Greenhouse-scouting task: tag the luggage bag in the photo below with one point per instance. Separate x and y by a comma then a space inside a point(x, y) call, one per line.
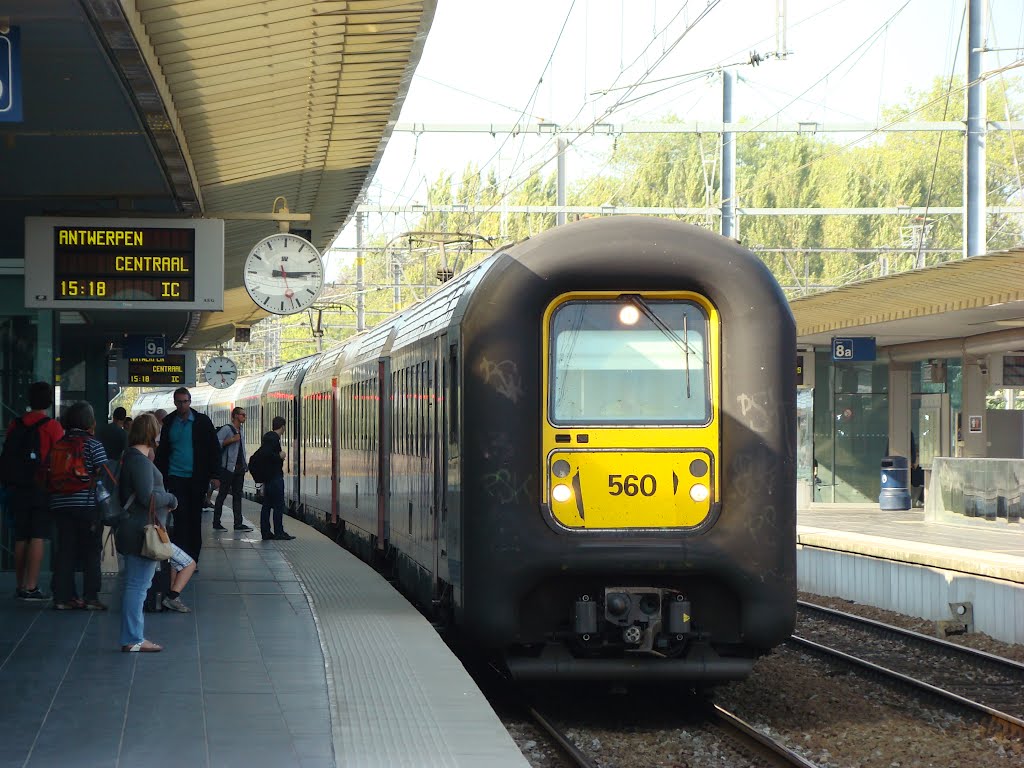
point(159, 588)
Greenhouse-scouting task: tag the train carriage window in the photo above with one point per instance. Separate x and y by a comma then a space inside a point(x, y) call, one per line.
point(428, 410)
point(417, 389)
point(453, 395)
point(421, 409)
point(394, 410)
point(629, 361)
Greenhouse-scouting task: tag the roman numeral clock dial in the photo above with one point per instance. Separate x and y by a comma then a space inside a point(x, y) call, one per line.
point(284, 274)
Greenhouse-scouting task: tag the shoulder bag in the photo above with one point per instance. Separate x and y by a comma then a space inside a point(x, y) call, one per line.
point(156, 544)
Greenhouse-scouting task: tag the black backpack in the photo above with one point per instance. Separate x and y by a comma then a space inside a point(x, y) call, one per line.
point(22, 454)
point(259, 465)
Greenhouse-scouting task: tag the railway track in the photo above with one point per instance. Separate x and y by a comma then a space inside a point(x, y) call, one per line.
point(771, 752)
point(989, 688)
point(733, 734)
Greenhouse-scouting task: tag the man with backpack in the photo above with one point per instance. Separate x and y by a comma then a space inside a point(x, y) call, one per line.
point(232, 470)
point(271, 468)
point(25, 450)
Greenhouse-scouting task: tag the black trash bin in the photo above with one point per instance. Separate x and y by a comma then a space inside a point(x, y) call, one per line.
point(895, 493)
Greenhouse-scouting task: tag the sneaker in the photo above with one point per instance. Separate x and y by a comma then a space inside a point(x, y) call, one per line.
point(243, 527)
point(219, 527)
point(19, 593)
point(175, 605)
point(284, 537)
point(34, 596)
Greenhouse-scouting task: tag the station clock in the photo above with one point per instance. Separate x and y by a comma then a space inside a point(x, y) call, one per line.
point(220, 372)
point(284, 274)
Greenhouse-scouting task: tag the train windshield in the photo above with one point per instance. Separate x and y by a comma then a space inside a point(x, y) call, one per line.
point(629, 361)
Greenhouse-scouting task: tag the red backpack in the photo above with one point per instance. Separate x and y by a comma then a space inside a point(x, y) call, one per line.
point(66, 472)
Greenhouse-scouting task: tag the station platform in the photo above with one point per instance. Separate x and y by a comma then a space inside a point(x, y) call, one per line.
point(295, 654)
point(902, 562)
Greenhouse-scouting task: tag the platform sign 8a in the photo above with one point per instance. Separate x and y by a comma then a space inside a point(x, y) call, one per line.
point(851, 349)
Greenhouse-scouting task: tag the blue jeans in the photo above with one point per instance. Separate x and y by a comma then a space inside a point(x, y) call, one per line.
point(138, 575)
point(273, 497)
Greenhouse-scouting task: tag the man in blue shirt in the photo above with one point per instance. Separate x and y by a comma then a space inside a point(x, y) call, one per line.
point(189, 458)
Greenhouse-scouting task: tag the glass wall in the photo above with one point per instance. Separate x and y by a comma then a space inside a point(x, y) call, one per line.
point(851, 428)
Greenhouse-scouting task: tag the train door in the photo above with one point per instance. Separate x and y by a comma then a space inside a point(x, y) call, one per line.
point(438, 445)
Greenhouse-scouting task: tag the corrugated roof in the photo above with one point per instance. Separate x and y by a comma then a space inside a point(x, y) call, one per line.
point(276, 98)
point(964, 284)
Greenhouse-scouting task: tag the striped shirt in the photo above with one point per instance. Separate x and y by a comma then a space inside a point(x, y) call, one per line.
point(94, 456)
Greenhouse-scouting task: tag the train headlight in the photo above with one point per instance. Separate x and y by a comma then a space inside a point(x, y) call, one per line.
point(629, 314)
point(561, 493)
point(699, 492)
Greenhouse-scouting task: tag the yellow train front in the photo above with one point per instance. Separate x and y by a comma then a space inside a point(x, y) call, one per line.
point(625, 479)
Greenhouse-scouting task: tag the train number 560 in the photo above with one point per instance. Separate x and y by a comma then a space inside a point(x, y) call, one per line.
point(631, 485)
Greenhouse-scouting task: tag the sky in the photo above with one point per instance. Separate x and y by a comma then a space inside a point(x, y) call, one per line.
point(576, 62)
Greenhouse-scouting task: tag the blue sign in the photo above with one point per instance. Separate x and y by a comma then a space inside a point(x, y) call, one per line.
point(853, 349)
point(10, 76)
point(140, 345)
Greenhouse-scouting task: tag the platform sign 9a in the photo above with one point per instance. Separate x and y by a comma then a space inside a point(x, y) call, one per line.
point(853, 349)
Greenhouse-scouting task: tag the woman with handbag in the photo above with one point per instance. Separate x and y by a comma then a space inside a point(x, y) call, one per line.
point(73, 464)
point(136, 535)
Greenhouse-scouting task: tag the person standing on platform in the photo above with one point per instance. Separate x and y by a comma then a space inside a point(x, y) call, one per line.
point(21, 471)
point(141, 478)
point(273, 486)
point(232, 470)
point(114, 435)
point(188, 456)
point(75, 517)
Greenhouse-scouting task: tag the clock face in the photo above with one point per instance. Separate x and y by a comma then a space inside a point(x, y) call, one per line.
point(221, 372)
point(284, 274)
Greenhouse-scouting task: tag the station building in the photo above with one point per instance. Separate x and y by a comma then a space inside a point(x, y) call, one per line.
point(938, 385)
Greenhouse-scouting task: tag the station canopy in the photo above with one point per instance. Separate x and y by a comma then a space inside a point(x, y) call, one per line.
point(980, 298)
point(205, 108)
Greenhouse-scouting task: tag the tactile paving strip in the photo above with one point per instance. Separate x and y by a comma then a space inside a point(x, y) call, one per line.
point(399, 697)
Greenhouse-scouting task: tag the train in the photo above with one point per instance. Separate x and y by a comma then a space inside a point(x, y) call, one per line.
point(578, 453)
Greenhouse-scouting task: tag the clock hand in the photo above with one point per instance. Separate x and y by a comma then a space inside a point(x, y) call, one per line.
point(281, 273)
point(288, 292)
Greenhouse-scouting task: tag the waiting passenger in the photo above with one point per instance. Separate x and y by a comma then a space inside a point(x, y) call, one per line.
point(27, 499)
point(114, 435)
point(273, 486)
point(188, 455)
point(75, 516)
point(183, 566)
point(232, 469)
point(141, 477)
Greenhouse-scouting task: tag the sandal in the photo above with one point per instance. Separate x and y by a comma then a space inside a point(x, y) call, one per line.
point(144, 647)
point(94, 605)
point(74, 604)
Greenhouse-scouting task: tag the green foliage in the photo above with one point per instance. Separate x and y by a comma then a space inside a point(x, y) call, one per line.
point(915, 169)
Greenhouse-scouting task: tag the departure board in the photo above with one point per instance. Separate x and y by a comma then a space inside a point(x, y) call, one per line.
point(97, 263)
point(131, 264)
point(147, 371)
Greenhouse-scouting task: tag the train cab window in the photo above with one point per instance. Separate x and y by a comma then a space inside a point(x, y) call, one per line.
point(629, 360)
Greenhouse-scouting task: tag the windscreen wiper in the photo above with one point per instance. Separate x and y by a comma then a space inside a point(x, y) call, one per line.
point(640, 303)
